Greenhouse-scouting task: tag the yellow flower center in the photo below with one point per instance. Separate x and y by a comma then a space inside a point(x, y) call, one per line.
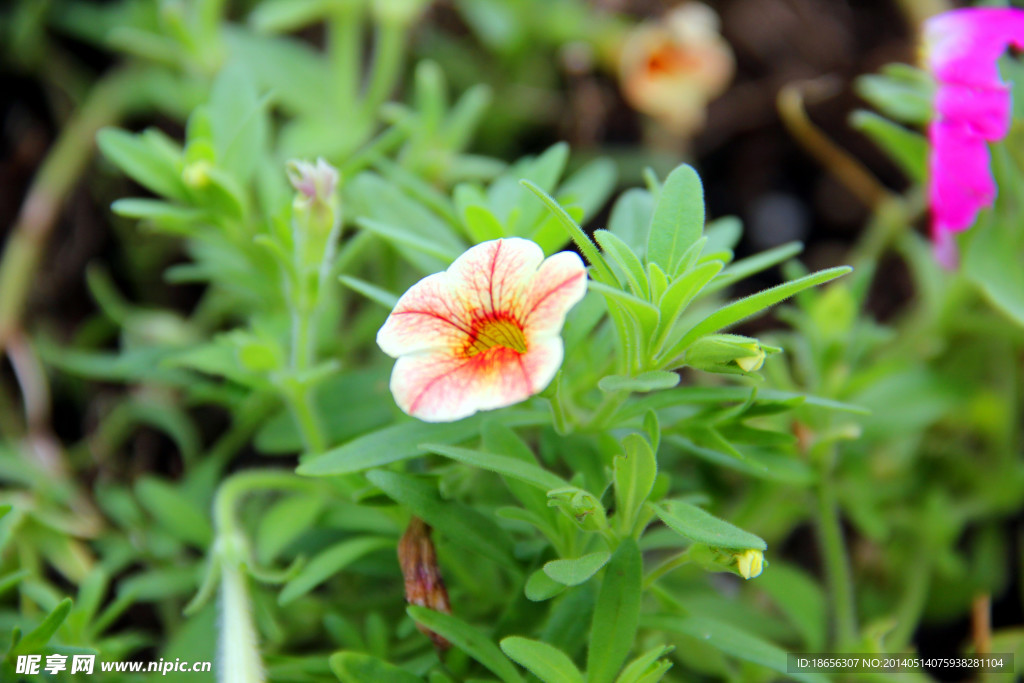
point(496, 332)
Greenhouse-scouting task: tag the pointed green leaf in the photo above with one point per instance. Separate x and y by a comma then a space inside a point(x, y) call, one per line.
point(586, 246)
point(501, 464)
point(703, 527)
point(401, 441)
point(574, 571)
point(653, 380)
point(468, 639)
point(678, 219)
point(330, 562)
point(175, 512)
point(633, 474)
point(732, 641)
point(751, 305)
point(356, 667)
point(906, 147)
point(616, 615)
point(36, 639)
point(624, 257)
point(142, 161)
point(547, 663)
point(630, 220)
point(541, 587)
point(752, 265)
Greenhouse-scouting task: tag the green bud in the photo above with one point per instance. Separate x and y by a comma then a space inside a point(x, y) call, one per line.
point(728, 353)
point(748, 563)
point(581, 506)
point(316, 209)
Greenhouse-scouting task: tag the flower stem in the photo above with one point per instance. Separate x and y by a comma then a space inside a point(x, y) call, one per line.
point(837, 565)
point(301, 401)
point(669, 565)
point(912, 605)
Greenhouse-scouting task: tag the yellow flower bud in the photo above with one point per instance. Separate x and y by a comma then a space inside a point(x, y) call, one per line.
point(749, 563)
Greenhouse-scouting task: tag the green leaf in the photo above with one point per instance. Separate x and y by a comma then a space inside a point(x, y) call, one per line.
point(547, 663)
point(634, 474)
point(283, 16)
point(680, 293)
point(616, 615)
point(501, 464)
point(170, 217)
point(678, 219)
point(541, 587)
point(12, 579)
point(653, 380)
point(238, 119)
point(402, 441)
point(481, 224)
point(648, 667)
point(752, 265)
point(370, 291)
point(469, 640)
point(586, 246)
point(143, 161)
point(573, 572)
point(723, 234)
point(590, 186)
point(901, 92)
point(645, 312)
point(288, 519)
point(703, 527)
point(329, 562)
point(908, 149)
point(402, 237)
point(730, 640)
point(992, 260)
point(37, 638)
point(761, 463)
point(630, 219)
point(625, 259)
point(748, 306)
point(357, 667)
point(176, 513)
point(461, 524)
point(801, 599)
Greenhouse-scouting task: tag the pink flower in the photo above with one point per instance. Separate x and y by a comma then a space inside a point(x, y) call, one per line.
point(972, 108)
point(483, 334)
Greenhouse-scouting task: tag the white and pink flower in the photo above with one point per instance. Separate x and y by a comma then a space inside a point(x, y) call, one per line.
point(483, 334)
point(972, 108)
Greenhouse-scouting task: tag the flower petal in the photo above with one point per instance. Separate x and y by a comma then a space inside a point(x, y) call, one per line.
point(964, 45)
point(961, 182)
point(493, 276)
point(559, 284)
point(428, 316)
point(438, 387)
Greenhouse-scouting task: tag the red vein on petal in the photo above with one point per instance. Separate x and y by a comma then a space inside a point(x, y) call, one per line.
point(536, 304)
point(490, 279)
point(419, 397)
point(431, 314)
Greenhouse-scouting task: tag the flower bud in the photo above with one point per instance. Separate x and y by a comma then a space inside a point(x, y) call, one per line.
point(749, 563)
point(581, 506)
point(316, 208)
point(728, 353)
point(197, 174)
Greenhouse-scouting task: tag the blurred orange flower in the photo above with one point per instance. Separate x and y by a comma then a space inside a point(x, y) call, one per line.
point(670, 69)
